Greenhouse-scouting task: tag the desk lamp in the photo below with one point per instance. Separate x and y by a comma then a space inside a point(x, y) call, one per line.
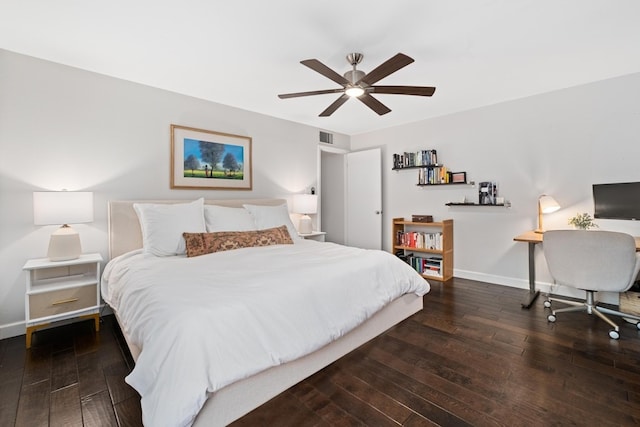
point(546, 204)
point(63, 208)
point(305, 204)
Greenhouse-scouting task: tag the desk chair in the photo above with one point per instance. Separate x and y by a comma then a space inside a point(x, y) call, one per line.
point(592, 261)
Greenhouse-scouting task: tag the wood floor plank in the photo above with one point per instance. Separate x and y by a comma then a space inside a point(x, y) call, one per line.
point(65, 408)
point(64, 369)
point(11, 382)
point(128, 412)
point(91, 379)
point(98, 411)
point(33, 408)
point(114, 375)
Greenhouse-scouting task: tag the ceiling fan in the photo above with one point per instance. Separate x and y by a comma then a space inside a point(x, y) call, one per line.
point(358, 84)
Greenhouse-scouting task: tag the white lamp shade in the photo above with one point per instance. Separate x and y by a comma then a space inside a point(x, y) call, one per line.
point(548, 204)
point(305, 203)
point(62, 207)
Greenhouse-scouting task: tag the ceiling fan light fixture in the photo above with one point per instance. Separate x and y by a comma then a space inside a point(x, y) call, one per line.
point(358, 84)
point(354, 91)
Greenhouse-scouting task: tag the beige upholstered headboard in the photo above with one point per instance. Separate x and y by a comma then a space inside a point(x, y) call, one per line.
point(124, 229)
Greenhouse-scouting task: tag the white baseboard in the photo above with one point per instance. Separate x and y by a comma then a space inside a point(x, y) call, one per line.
point(543, 287)
point(12, 330)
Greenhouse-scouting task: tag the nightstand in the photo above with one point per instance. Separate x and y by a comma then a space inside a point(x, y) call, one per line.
point(61, 290)
point(314, 235)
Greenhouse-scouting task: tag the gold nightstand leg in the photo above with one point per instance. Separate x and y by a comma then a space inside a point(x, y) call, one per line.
point(32, 329)
point(96, 319)
point(29, 332)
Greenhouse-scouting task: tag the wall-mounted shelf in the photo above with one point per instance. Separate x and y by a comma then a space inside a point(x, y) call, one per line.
point(401, 168)
point(430, 172)
point(507, 205)
point(460, 184)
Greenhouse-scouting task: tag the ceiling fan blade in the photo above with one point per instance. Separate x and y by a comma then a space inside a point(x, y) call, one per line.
point(314, 92)
point(333, 107)
point(383, 70)
point(374, 104)
point(404, 90)
point(319, 67)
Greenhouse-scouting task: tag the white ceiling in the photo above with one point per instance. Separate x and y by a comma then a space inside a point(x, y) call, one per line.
point(244, 52)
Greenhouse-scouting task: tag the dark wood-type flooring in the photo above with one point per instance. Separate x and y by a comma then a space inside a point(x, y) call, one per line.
point(471, 357)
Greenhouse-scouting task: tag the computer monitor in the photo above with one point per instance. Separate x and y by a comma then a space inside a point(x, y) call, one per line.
point(617, 201)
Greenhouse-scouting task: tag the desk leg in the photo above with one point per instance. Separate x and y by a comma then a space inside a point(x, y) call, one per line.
point(532, 294)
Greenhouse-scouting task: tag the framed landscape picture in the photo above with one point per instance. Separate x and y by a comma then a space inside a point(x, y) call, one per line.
point(211, 160)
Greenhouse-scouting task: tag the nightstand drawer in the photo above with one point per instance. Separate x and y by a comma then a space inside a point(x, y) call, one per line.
point(62, 301)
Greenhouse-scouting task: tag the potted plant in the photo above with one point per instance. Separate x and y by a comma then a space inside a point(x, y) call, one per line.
point(582, 221)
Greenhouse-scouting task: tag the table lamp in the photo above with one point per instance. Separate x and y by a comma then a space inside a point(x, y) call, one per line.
point(546, 204)
point(305, 204)
point(63, 208)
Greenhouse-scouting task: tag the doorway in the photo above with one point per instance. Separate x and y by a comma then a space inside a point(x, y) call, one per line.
point(350, 189)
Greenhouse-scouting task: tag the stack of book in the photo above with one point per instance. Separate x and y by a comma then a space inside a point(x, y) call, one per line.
point(419, 240)
point(431, 266)
point(412, 159)
point(436, 175)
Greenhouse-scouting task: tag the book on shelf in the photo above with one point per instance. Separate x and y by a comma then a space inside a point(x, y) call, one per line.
point(423, 266)
point(417, 158)
point(435, 175)
point(419, 240)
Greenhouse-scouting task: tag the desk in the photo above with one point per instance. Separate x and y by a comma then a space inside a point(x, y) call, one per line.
point(533, 238)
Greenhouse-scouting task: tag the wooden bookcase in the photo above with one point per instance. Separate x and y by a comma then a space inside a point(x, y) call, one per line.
point(444, 251)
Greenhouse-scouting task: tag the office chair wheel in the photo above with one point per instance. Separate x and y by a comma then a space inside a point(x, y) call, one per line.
point(547, 304)
point(551, 318)
point(613, 334)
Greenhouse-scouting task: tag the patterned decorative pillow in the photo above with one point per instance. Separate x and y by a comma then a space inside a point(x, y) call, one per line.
point(206, 243)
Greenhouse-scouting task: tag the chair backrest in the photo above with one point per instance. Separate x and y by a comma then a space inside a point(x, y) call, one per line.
point(592, 260)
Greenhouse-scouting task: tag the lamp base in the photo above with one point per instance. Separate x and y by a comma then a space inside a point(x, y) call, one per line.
point(64, 244)
point(305, 226)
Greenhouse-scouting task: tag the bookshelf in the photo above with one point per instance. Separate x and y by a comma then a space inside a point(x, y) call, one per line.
point(430, 172)
point(426, 246)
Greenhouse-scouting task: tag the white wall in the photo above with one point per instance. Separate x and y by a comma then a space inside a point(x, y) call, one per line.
point(62, 127)
point(558, 143)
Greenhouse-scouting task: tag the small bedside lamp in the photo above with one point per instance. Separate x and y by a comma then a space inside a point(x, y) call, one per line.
point(63, 207)
point(546, 204)
point(305, 204)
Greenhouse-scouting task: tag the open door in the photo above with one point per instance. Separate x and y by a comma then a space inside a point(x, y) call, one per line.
point(364, 199)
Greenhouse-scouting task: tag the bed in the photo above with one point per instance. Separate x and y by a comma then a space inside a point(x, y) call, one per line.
point(235, 396)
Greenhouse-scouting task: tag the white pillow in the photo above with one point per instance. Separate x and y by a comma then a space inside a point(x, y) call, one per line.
point(222, 218)
point(163, 224)
point(273, 216)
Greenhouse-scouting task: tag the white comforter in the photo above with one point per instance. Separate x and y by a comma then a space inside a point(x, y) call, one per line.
point(207, 321)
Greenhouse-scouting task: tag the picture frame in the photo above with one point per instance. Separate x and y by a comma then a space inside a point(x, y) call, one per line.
point(206, 159)
point(458, 178)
